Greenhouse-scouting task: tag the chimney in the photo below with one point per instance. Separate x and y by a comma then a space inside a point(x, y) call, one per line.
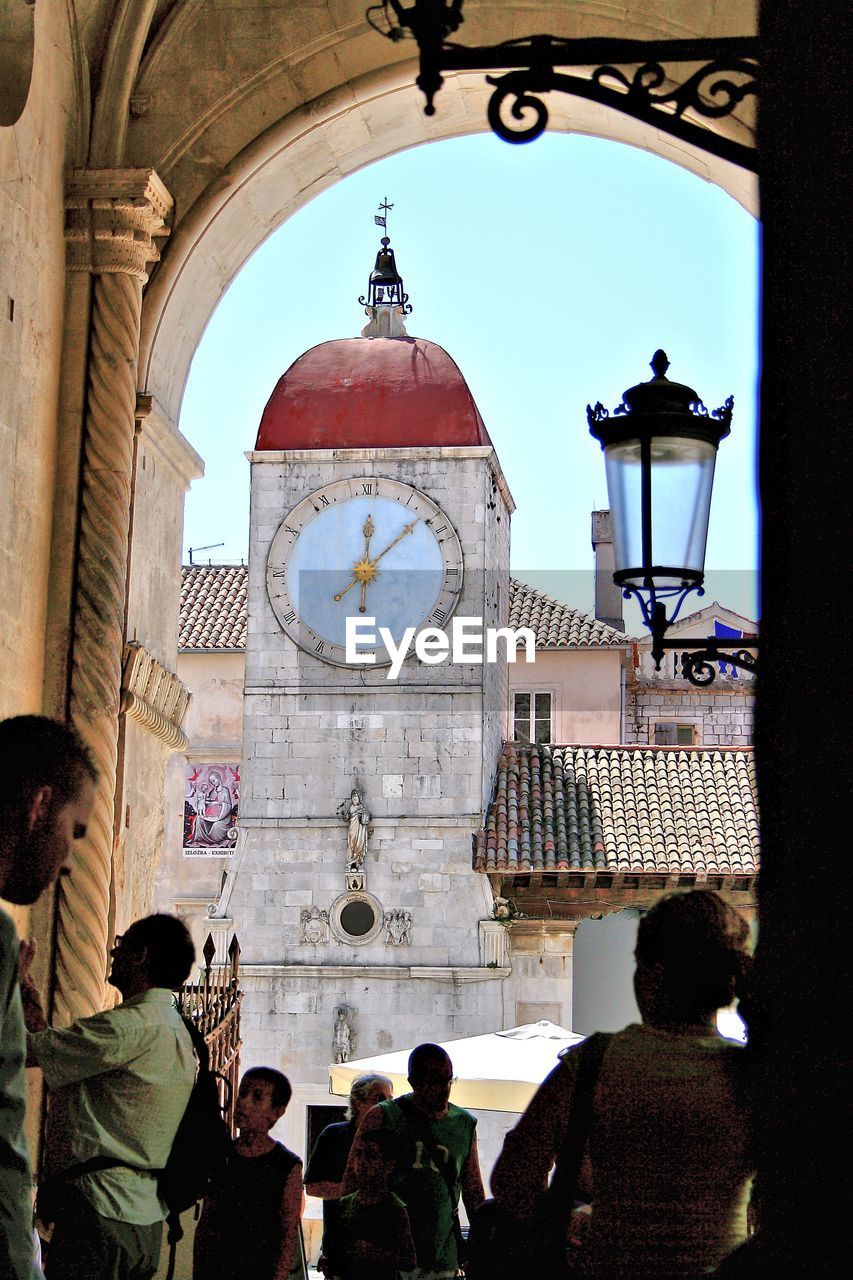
point(608, 597)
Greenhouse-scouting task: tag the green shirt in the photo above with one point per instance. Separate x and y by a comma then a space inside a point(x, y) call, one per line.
point(423, 1189)
point(17, 1258)
point(120, 1082)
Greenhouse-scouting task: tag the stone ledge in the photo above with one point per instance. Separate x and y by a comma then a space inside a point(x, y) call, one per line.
point(397, 973)
point(388, 686)
point(462, 820)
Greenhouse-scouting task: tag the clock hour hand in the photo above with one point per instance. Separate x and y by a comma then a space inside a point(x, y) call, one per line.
point(364, 571)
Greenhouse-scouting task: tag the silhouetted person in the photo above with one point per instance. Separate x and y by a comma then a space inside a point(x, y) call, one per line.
point(47, 785)
point(324, 1173)
point(669, 1145)
point(250, 1221)
point(119, 1084)
point(429, 1154)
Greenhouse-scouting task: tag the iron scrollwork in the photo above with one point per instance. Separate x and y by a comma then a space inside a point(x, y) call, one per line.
point(698, 666)
point(652, 93)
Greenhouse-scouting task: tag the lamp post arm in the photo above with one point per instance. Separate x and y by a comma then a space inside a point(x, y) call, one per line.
point(723, 72)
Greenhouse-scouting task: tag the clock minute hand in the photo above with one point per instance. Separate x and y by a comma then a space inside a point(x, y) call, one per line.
point(407, 529)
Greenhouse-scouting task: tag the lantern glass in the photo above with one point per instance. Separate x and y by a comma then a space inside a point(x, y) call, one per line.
point(682, 476)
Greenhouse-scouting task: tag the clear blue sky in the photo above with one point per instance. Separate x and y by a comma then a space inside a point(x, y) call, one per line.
point(550, 272)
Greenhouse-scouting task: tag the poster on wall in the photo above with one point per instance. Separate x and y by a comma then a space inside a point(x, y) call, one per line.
point(211, 797)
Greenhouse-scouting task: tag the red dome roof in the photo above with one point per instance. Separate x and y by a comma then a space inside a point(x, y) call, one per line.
point(371, 393)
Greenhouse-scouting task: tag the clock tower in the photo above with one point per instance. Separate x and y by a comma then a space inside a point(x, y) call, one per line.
point(379, 516)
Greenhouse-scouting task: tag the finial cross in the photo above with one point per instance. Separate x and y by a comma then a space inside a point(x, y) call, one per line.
point(381, 219)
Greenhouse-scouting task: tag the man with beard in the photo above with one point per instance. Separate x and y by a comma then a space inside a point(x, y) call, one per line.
point(46, 798)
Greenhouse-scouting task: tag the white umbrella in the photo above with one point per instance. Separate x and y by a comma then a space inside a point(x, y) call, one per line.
point(499, 1071)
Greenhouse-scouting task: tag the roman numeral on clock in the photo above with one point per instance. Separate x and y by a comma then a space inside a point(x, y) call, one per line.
point(367, 489)
point(320, 647)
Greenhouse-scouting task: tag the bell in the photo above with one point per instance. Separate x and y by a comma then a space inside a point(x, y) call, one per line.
point(385, 271)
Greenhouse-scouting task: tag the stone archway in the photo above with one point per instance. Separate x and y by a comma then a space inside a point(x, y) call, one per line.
point(310, 150)
point(208, 124)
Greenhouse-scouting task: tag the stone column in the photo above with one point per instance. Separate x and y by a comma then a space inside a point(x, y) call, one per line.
point(113, 217)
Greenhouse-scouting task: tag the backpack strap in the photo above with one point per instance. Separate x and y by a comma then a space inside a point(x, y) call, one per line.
point(561, 1190)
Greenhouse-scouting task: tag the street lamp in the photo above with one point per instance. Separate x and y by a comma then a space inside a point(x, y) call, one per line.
point(660, 447)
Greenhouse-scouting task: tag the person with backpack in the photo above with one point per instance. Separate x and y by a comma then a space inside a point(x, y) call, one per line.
point(251, 1219)
point(119, 1083)
point(670, 1161)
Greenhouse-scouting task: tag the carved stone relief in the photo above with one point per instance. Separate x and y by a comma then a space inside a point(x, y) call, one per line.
point(314, 925)
point(398, 927)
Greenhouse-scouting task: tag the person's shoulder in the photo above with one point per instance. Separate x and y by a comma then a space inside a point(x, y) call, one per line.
point(460, 1114)
point(286, 1161)
point(9, 942)
point(336, 1131)
point(284, 1153)
point(7, 927)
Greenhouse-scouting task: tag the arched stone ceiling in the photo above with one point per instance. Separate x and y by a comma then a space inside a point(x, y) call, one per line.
point(248, 110)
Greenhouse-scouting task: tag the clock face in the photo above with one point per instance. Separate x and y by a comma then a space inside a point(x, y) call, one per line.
point(366, 548)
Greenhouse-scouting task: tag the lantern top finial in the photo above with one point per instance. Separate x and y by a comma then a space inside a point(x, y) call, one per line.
point(659, 363)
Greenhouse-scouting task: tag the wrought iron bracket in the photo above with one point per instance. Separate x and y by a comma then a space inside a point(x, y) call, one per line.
point(697, 654)
point(659, 90)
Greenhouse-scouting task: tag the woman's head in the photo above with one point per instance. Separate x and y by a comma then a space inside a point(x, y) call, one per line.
point(692, 956)
point(365, 1092)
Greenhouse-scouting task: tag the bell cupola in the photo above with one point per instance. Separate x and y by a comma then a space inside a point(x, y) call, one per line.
point(387, 301)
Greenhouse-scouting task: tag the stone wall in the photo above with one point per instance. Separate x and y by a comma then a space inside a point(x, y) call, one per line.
point(32, 293)
point(723, 713)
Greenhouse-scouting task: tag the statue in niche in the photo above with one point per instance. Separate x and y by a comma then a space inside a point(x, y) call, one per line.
point(343, 1036)
point(314, 925)
point(357, 819)
point(398, 927)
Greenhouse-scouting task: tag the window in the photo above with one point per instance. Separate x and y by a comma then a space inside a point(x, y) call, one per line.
point(316, 1119)
point(356, 917)
point(531, 717)
point(671, 733)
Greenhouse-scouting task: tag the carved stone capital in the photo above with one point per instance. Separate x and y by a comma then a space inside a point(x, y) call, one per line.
point(494, 944)
point(113, 219)
point(154, 697)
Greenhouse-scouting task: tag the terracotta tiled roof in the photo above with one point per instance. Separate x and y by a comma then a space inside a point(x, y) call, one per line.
point(213, 607)
point(556, 625)
point(621, 809)
point(213, 613)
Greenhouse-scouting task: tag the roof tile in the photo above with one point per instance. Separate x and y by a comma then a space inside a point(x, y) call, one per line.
point(556, 625)
point(213, 607)
point(621, 809)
